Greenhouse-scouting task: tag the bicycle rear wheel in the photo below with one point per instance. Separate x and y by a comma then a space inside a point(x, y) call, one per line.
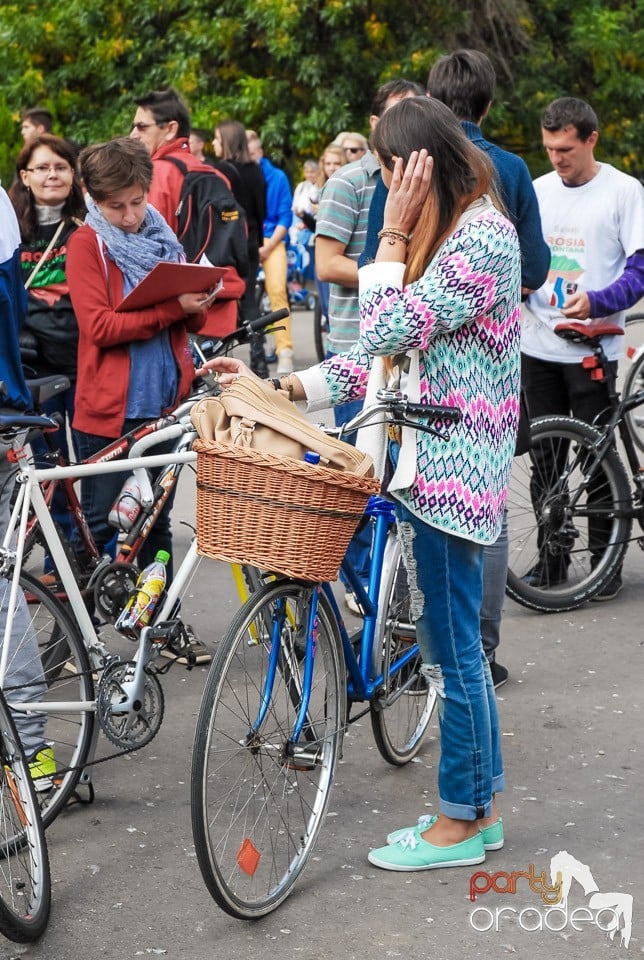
point(259, 801)
point(25, 884)
point(634, 383)
point(567, 537)
point(48, 665)
point(402, 709)
point(320, 331)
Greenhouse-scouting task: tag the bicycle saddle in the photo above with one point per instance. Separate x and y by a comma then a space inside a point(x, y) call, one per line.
point(580, 332)
point(43, 388)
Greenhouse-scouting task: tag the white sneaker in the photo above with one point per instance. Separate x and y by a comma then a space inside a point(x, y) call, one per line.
point(352, 604)
point(284, 362)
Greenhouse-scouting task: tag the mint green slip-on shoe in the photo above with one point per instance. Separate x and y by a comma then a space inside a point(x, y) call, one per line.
point(412, 853)
point(492, 835)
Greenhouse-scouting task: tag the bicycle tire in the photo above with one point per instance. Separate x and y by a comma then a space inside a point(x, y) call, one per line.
point(560, 534)
point(634, 383)
point(45, 632)
point(320, 331)
point(256, 810)
point(25, 881)
point(402, 709)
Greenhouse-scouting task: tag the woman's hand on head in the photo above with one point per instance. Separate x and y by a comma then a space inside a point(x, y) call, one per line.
point(228, 369)
point(408, 191)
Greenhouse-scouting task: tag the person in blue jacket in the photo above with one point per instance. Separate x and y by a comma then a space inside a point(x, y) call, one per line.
point(465, 81)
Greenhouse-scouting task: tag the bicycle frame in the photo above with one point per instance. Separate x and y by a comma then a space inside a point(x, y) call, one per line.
point(30, 493)
point(362, 683)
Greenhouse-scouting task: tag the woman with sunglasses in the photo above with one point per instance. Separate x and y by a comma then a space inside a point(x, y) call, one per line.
point(354, 145)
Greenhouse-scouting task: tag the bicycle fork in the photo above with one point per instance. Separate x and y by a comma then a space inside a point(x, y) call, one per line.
point(288, 661)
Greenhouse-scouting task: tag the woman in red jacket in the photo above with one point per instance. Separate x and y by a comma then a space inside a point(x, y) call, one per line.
point(134, 365)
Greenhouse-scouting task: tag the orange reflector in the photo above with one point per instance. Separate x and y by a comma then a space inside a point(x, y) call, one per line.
point(630, 352)
point(248, 857)
point(15, 796)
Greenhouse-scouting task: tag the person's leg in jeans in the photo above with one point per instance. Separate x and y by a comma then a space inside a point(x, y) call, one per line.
point(98, 493)
point(446, 585)
point(24, 677)
point(359, 550)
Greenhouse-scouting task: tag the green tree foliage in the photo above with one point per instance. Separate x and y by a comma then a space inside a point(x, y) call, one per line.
point(301, 70)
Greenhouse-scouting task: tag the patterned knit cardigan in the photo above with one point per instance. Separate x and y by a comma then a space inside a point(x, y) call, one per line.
point(463, 317)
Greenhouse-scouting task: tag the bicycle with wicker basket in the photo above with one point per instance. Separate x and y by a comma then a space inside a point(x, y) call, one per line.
point(287, 674)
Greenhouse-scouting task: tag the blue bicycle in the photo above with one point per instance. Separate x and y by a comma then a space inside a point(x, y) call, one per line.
point(278, 699)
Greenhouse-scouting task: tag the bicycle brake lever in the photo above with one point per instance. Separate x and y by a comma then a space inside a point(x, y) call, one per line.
point(423, 427)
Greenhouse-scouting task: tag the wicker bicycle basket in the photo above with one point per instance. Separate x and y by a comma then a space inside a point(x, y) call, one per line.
point(274, 512)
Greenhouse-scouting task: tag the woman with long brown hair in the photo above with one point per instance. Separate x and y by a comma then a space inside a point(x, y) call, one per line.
point(440, 321)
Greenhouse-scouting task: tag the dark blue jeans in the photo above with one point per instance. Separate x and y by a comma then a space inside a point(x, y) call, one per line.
point(359, 550)
point(63, 404)
point(99, 493)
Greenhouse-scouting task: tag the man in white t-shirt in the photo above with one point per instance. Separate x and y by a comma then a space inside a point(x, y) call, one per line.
point(592, 217)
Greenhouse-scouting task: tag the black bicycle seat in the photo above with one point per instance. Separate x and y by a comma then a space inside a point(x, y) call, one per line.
point(579, 332)
point(44, 388)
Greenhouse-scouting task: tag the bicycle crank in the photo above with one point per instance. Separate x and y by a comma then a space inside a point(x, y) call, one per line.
point(112, 588)
point(129, 707)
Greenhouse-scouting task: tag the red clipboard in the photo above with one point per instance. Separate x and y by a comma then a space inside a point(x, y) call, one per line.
point(168, 280)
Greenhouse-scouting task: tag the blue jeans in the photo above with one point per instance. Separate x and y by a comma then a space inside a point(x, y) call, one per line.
point(446, 585)
point(63, 404)
point(495, 574)
point(99, 493)
point(359, 550)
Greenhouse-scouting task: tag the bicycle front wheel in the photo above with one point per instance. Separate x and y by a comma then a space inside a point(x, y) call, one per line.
point(258, 798)
point(402, 709)
point(25, 884)
point(566, 525)
point(48, 685)
point(634, 383)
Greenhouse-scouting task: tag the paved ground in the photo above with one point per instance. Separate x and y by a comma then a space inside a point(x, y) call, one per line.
point(127, 884)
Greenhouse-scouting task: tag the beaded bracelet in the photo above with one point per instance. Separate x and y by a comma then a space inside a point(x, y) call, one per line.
point(393, 235)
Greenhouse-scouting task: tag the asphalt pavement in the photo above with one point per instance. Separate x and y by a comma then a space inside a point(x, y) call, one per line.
point(126, 882)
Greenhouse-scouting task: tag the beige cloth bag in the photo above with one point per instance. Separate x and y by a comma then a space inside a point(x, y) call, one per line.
point(250, 413)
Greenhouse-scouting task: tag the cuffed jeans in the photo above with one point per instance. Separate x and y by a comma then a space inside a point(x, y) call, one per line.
point(446, 586)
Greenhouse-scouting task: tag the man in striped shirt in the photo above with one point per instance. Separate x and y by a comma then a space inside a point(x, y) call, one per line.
point(341, 227)
point(340, 234)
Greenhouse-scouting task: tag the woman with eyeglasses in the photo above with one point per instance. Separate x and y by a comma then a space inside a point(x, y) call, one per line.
point(49, 205)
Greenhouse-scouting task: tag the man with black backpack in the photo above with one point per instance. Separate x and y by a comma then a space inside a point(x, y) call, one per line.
point(195, 199)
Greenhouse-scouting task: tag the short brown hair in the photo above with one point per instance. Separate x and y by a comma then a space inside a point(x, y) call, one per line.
point(106, 168)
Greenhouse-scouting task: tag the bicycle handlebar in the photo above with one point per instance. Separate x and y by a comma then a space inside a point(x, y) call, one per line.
point(398, 409)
